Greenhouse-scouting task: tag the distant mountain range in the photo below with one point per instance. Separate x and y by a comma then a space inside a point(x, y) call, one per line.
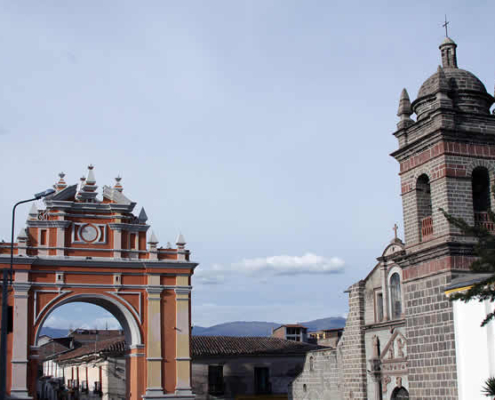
point(255, 328)
point(238, 328)
point(54, 332)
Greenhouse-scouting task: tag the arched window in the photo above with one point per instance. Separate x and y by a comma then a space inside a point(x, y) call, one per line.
point(395, 296)
point(311, 364)
point(481, 197)
point(400, 394)
point(423, 196)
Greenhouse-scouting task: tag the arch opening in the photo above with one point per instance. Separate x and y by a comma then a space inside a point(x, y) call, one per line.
point(423, 199)
point(122, 314)
point(480, 183)
point(91, 359)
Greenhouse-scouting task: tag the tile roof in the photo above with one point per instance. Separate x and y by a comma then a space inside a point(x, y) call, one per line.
point(58, 345)
point(205, 346)
point(113, 345)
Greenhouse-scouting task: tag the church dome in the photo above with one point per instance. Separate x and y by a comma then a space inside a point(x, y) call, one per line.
point(458, 79)
point(453, 87)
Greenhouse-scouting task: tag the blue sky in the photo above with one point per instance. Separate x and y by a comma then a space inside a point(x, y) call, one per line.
point(259, 129)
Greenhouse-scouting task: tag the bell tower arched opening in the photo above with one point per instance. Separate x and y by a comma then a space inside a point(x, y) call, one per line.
point(480, 183)
point(423, 196)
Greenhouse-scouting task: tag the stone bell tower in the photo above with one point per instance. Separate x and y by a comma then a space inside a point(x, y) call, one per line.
point(447, 161)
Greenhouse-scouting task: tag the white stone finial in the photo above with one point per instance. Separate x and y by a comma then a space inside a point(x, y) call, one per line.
point(90, 180)
point(153, 239)
point(33, 212)
point(22, 234)
point(118, 186)
point(180, 241)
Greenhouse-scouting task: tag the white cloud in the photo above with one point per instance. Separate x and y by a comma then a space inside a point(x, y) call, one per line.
point(209, 276)
point(308, 263)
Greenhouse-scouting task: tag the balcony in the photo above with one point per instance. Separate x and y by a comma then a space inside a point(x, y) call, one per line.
point(426, 228)
point(482, 220)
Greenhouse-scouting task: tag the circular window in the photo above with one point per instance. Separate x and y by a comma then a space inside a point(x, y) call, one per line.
point(88, 233)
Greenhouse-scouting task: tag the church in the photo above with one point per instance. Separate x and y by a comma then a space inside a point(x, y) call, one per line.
point(404, 338)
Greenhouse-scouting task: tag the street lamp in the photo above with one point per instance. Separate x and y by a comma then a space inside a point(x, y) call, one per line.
point(7, 278)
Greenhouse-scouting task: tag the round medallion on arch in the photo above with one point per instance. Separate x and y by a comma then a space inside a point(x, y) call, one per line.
point(88, 233)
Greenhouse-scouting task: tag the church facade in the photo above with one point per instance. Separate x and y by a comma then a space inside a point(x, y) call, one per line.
point(401, 340)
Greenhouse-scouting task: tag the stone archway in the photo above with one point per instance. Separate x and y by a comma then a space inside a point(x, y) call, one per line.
point(81, 248)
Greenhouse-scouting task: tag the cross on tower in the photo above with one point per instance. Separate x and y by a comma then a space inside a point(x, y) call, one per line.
point(395, 230)
point(445, 25)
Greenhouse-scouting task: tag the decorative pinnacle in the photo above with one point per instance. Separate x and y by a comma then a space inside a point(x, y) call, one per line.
point(142, 216)
point(180, 241)
point(91, 176)
point(22, 234)
point(404, 104)
point(117, 185)
point(61, 183)
point(153, 238)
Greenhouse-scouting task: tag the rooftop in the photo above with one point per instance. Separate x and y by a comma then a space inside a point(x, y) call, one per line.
point(204, 346)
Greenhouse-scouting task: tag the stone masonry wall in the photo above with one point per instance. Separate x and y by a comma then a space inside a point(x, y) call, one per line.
point(352, 358)
point(321, 382)
point(430, 339)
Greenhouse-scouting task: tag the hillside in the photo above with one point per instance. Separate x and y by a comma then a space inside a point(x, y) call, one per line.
point(257, 328)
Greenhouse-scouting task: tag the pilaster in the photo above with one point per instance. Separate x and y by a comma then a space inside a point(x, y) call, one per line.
point(154, 360)
point(183, 356)
point(20, 336)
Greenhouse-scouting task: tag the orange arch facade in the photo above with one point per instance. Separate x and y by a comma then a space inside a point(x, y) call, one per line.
point(84, 249)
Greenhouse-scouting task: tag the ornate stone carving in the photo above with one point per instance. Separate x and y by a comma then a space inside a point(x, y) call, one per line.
point(398, 382)
point(385, 381)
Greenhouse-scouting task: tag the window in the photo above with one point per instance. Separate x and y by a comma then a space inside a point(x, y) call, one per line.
point(43, 237)
point(132, 240)
point(379, 307)
point(215, 379)
point(311, 364)
point(423, 198)
point(395, 296)
point(262, 380)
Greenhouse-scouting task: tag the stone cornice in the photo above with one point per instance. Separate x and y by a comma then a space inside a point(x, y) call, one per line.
point(48, 224)
point(435, 251)
point(120, 263)
point(128, 227)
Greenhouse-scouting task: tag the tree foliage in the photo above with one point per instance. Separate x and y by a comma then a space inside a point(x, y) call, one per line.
point(489, 389)
point(485, 263)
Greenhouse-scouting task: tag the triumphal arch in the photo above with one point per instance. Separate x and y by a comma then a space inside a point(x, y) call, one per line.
point(86, 248)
